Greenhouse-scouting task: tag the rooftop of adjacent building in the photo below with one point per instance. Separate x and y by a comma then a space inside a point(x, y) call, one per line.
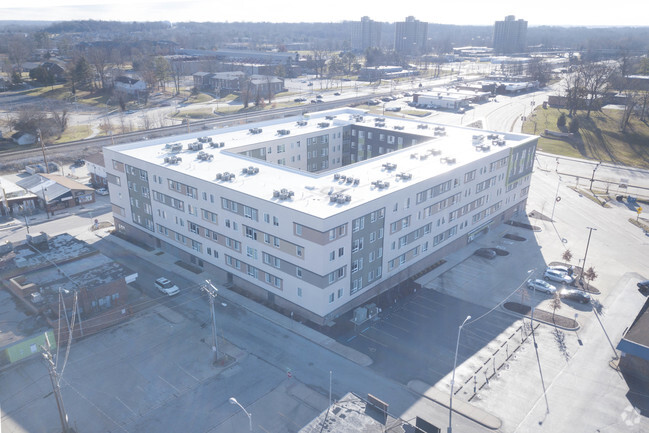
point(444, 148)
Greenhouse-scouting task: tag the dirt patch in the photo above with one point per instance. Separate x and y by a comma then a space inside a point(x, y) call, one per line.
point(542, 315)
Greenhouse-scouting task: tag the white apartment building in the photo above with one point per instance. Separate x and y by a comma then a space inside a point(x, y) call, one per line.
point(318, 213)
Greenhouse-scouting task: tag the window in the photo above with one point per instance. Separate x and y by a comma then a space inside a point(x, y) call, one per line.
point(298, 229)
point(251, 252)
point(299, 251)
point(298, 272)
point(341, 251)
point(299, 292)
point(331, 298)
point(332, 256)
point(275, 221)
point(340, 293)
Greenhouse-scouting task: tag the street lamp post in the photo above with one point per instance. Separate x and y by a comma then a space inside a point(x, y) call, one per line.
point(592, 178)
point(234, 401)
point(450, 404)
point(586, 253)
point(556, 199)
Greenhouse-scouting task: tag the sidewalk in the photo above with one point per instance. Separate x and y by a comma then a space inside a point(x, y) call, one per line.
point(168, 261)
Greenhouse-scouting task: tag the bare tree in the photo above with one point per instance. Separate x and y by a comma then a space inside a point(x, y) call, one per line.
point(60, 118)
point(573, 91)
point(99, 58)
point(567, 255)
point(590, 275)
point(146, 122)
point(176, 71)
point(555, 303)
point(631, 98)
point(596, 80)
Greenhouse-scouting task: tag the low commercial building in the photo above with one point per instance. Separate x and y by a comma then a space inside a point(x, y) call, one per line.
point(68, 282)
point(320, 213)
point(634, 346)
point(57, 192)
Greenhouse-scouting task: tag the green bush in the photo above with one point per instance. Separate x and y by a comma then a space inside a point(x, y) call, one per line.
point(561, 121)
point(574, 126)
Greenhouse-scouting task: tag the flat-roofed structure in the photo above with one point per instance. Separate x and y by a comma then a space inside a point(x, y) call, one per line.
point(318, 213)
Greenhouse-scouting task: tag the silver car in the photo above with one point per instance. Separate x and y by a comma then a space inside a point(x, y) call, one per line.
point(558, 276)
point(166, 286)
point(541, 286)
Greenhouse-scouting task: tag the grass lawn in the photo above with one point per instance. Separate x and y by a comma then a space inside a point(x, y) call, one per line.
point(417, 113)
point(200, 98)
point(196, 113)
point(599, 136)
point(74, 133)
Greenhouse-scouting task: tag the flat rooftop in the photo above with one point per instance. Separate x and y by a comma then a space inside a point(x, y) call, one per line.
point(312, 191)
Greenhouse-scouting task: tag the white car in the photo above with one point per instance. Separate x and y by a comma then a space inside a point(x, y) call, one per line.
point(166, 286)
point(541, 286)
point(102, 191)
point(558, 276)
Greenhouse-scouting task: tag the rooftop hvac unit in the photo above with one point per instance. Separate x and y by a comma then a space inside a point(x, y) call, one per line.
point(484, 148)
point(399, 127)
point(244, 170)
point(389, 166)
point(413, 156)
point(422, 126)
point(440, 133)
point(323, 124)
point(340, 199)
point(493, 137)
point(173, 159)
point(255, 130)
point(205, 139)
point(350, 180)
point(348, 198)
point(405, 176)
point(498, 142)
point(423, 157)
point(357, 181)
point(275, 193)
point(379, 124)
point(435, 152)
point(440, 128)
point(336, 176)
point(195, 146)
point(330, 117)
point(343, 177)
point(333, 198)
point(204, 156)
point(175, 147)
point(302, 122)
point(477, 139)
point(283, 132)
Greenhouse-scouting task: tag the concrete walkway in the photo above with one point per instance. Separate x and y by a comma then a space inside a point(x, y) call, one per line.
point(461, 407)
point(169, 262)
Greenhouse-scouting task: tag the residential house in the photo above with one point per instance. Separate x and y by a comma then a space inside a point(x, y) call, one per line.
point(130, 86)
point(23, 138)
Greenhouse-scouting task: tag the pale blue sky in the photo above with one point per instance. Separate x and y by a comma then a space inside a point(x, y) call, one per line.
point(476, 12)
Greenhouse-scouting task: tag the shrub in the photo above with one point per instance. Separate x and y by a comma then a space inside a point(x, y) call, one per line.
point(561, 121)
point(574, 126)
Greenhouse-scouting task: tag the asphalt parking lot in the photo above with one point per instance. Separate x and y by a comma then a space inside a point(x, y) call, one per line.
point(415, 338)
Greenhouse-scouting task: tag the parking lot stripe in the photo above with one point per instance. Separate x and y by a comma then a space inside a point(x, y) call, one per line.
point(126, 406)
point(373, 340)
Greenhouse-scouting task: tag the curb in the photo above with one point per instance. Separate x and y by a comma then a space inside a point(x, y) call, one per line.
point(270, 315)
point(522, 316)
point(460, 407)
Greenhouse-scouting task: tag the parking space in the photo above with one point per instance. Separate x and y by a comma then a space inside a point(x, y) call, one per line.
point(415, 338)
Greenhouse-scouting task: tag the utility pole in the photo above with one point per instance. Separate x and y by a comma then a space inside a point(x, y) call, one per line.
point(211, 293)
point(40, 140)
point(56, 386)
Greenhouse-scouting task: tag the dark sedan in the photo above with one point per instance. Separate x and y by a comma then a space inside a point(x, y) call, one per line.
point(575, 295)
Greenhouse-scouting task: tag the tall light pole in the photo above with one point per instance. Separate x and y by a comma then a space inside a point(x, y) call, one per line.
point(592, 178)
point(556, 199)
point(583, 268)
point(234, 401)
point(212, 292)
point(450, 404)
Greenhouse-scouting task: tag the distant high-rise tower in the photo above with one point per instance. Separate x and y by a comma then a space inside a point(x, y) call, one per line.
point(510, 36)
point(365, 34)
point(411, 37)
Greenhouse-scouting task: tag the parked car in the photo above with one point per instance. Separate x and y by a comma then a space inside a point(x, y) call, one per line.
point(337, 94)
point(558, 276)
point(166, 286)
point(575, 295)
point(79, 163)
point(102, 191)
point(567, 269)
point(643, 285)
point(318, 96)
point(541, 286)
point(487, 253)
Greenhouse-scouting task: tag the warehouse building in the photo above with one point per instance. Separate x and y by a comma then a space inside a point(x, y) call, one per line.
point(318, 213)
